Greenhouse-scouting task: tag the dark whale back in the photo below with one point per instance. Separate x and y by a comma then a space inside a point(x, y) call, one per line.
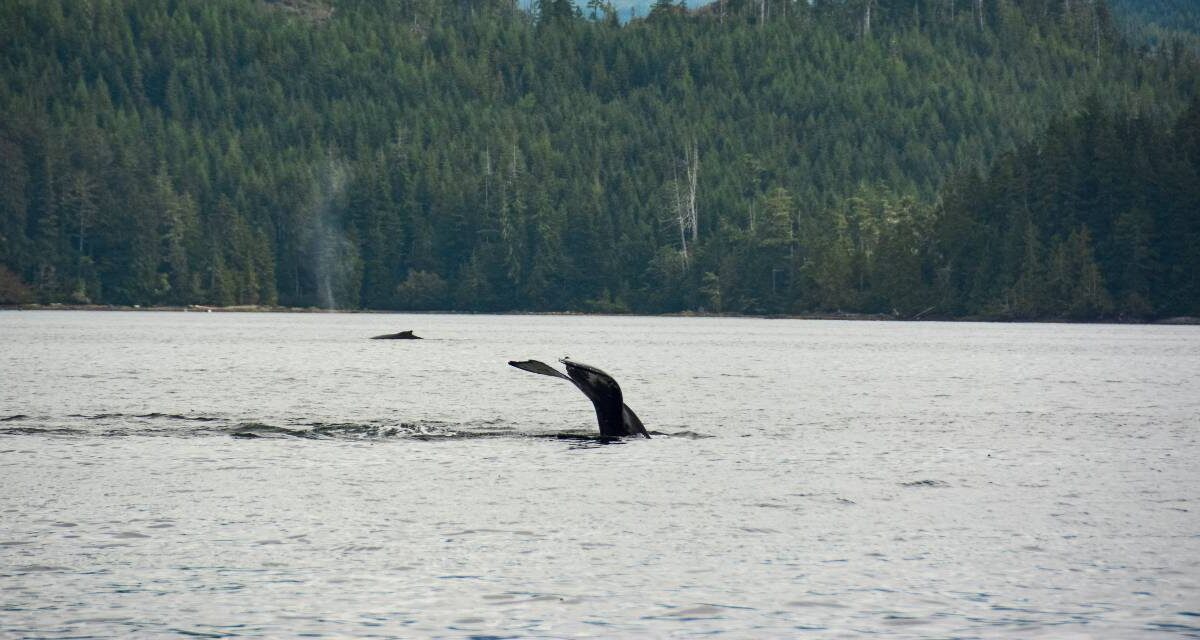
point(615, 418)
point(403, 335)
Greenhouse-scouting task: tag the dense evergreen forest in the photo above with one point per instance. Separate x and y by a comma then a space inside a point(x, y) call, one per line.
point(1009, 158)
point(1177, 15)
point(1160, 23)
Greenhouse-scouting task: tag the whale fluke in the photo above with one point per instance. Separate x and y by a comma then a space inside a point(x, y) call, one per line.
point(403, 335)
point(616, 419)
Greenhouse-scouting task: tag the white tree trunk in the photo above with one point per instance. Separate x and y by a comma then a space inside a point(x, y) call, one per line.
point(681, 218)
point(692, 158)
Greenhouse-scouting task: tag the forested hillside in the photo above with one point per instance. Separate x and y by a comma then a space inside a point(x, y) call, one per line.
point(1161, 23)
point(1177, 15)
point(1100, 216)
point(435, 154)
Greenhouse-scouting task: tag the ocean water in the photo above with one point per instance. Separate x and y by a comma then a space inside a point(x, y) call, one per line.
point(280, 474)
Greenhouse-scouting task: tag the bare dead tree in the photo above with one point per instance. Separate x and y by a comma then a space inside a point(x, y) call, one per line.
point(487, 177)
point(692, 162)
point(681, 216)
point(512, 169)
point(684, 211)
point(80, 196)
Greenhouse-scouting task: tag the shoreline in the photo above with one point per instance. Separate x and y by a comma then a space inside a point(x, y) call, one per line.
point(859, 317)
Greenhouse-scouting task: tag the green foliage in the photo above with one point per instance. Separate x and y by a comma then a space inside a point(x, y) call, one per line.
point(423, 291)
point(1099, 217)
point(12, 289)
point(447, 154)
point(1161, 23)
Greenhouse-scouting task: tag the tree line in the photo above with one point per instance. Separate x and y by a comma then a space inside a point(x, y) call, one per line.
point(761, 156)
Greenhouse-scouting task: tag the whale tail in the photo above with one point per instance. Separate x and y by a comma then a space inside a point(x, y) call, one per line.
point(615, 418)
point(534, 366)
point(633, 424)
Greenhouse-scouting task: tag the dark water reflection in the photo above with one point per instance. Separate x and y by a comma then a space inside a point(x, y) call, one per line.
point(276, 475)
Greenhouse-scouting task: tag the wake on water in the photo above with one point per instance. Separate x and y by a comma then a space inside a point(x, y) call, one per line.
point(158, 424)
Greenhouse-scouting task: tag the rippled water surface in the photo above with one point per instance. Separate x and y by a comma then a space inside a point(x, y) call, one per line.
point(275, 475)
